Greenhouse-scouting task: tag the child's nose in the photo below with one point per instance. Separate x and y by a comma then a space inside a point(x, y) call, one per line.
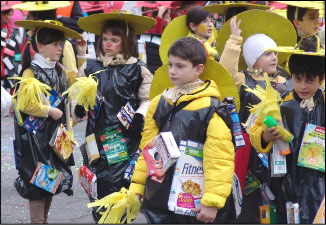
point(108, 44)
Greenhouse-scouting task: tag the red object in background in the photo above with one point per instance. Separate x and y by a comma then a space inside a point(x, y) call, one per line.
point(105, 6)
point(6, 5)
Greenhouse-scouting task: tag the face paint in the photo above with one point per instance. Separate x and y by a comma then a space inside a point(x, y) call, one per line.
point(108, 44)
point(202, 28)
point(117, 47)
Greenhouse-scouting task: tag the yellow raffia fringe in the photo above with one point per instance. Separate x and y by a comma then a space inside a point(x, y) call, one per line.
point(269, 104)
point(116, 204)
point(84, 91)
point(31, 91)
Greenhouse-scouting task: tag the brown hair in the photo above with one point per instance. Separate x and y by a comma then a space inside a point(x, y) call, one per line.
point(119, 28)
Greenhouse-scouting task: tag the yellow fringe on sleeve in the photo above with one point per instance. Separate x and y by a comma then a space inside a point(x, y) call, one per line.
point(116, 204)
point(31, 91)
point(84, 91)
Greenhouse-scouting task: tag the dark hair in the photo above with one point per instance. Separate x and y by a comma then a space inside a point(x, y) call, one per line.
point(44, 36)
point(196, 15)
point(189, 48)
point(119, 28)
point(44, 15)
point(291, 13)
point(229, 13)
point(6, 11)
point(307, 65)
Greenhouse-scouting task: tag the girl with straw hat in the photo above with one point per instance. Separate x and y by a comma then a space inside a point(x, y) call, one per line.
point(247, 67)
point(123, 81)
point(40, 75)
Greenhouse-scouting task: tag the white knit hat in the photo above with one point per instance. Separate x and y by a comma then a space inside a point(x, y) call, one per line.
point(254, 47)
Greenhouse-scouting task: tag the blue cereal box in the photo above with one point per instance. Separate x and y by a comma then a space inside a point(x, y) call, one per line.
point(46, 178)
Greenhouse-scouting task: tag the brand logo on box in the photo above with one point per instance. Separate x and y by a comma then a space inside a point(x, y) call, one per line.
point(320, 130)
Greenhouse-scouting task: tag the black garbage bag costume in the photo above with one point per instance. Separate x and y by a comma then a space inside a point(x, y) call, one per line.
point(33, 148)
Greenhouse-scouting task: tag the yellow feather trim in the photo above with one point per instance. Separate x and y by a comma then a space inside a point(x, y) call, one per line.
point(270, 99)
point(31, 91)
point(116, 204)
point(84, 91)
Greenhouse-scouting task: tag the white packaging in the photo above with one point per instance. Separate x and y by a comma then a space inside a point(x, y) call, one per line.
point(188, 180)
point(8, 63)
point(278, 162)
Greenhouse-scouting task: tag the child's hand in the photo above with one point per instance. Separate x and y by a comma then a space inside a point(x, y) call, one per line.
point(206, 214)
point(81, 46)
point(235, 27)
point(161, 11)
point(55, 113)
point(271, 133)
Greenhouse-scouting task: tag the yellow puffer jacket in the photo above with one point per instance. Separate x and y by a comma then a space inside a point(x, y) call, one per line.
point(218, 151)
point(208, 45)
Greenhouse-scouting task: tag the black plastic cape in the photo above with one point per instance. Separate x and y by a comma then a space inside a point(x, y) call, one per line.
point(118, 85)
point(250, 208)
point(300, 185)
point(156, 195)
point(33, 148)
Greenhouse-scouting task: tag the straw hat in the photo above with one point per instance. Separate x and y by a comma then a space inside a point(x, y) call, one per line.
point(95, 23)
point(213, 71)
point(256, 21)
point(176, 29)
point(221, 8)
point(299, 49)
point(39, 6)
point(305, 4)
point(52, 24)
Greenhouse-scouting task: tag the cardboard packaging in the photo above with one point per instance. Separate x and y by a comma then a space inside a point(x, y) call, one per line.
point(88, 181)
point(278, 161)
point(267, 214)
point(320, 216)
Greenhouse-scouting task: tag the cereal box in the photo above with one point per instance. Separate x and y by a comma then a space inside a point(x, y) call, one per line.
point(312, 151)
point(88, 181)
point(46, 177)
point(161, 153)
point(131, 166)
point(267, 214)
point(188, 179)
point(320, 216)
point(126, 114)
point(91, 148)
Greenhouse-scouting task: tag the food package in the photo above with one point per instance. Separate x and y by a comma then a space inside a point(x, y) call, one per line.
point(161, 153)
point(46, 177)
point(126, 114)
point(312, 150)
point(320, 216)
point(62, 143)
point(88, 181)
point(278, 161)
point(131, 166)
point(267, 214)
point(188, 179)
point(91, 148)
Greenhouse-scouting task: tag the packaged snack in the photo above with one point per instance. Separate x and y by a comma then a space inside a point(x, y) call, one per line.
point(188, 179)
point(312, 150)
point(251, 183)
point(93, 113)
point(62, 143)
point(131, 166)
point(126, 114)
point(160, 154)
point(278, 161)
point(267, 214)
point(88, 181)
point(46, 177)
point(320, 216)
point(91, 148)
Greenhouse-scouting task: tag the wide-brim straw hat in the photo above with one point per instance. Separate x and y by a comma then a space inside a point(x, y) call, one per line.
point(305, 4)
point(213, 71)
point(94, 23)
point(280, 29)
point(221, 8)
point(175, 30)
point(52, 24)
point(39, 6)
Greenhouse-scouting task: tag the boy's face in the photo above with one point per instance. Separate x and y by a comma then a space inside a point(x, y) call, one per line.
point(204, 29)
point(267, 62)
point(309, 24)
point(182, 71)
point(304, 87)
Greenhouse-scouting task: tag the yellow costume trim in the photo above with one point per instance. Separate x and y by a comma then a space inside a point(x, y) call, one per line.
point(32, 90)
point(115, 204)
point(84, 91)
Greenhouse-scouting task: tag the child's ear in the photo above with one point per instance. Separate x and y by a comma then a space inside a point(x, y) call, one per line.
point(200, 69)
point(297, 23)
point(192, 26)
